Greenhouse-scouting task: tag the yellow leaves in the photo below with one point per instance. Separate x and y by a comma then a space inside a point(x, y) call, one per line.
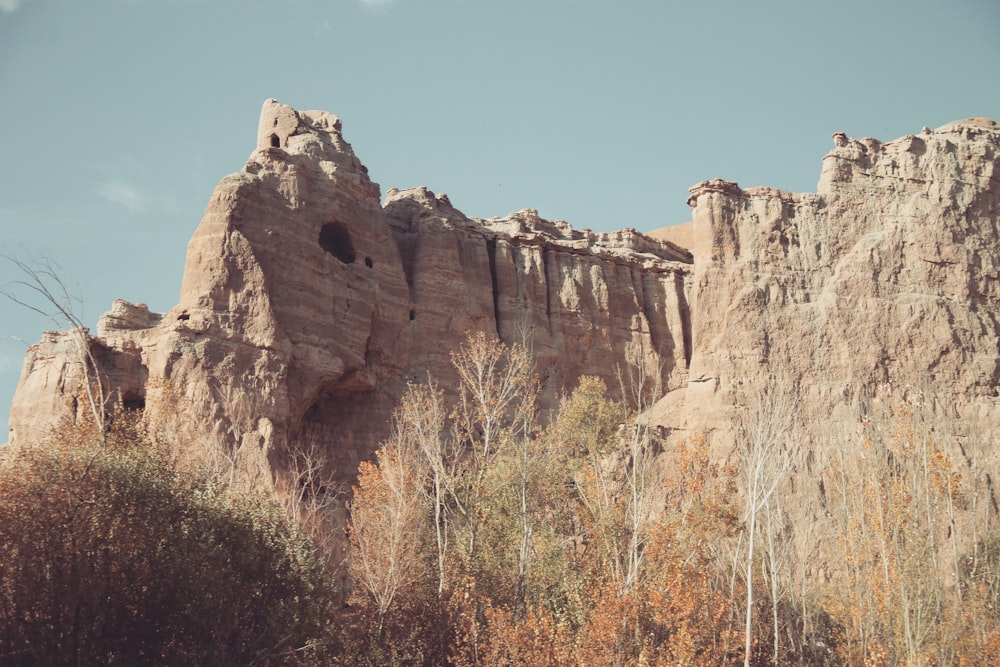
point(898, 599)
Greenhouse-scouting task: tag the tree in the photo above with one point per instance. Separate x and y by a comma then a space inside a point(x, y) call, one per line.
point(588, 428)
point(642, 385)
point(614, 458)
point(312, 498)
point(496, 392)
point(898, 491)
point(49, 296)
point(386, 523)
point(766, 453)
point(421, 420)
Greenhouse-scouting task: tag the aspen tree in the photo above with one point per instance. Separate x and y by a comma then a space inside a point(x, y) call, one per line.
point(766, 453)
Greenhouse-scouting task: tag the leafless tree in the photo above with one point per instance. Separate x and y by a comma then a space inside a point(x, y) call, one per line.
point(42, 290)
point(641, 383)
point(421, 419)
point(495, 397)
point(766, 452)
point(313, 499)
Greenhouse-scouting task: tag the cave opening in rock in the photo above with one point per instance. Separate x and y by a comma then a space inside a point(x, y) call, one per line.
point(275, 141)
point(334, 239)
point(133, 402)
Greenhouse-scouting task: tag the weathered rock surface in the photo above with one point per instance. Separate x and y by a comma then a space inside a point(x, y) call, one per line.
point(306, 304)
point(887, 273)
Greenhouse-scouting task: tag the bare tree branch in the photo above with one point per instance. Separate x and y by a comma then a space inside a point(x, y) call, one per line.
point(43, 280)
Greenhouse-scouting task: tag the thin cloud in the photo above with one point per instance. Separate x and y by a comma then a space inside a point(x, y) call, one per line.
point(9, 5)
point(124, 194)
point(374, 4)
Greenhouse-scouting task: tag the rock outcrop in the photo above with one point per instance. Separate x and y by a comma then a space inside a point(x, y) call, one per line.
point(307, 304)
point(887, 274)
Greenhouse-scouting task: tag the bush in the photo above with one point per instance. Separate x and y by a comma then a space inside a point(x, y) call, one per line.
point(111, 555)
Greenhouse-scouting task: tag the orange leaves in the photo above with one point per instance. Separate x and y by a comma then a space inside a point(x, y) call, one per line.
point(386, 517)
point(690, 614)
point(990, 653)
point(535, 641)
point(554, 532)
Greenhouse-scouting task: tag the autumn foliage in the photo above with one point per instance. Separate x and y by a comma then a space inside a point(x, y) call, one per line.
point(480, 534)
point(584, 542)
point(531, 545)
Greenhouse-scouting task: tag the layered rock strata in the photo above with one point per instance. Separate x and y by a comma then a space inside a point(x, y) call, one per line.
point(887, 274)
point(307, 304)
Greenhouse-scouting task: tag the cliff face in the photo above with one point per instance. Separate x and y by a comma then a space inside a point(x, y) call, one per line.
point(887, 273)
point(307, 305)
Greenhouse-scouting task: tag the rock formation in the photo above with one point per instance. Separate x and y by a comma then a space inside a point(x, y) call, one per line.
point(887, 274)
point(307, 303)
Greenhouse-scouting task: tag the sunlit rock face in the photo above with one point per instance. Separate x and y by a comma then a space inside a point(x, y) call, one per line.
point(307, 304)
point(887, 274)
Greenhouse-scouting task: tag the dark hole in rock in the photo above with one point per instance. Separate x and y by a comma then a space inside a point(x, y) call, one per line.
point(368, 262)
point(183, 317)
point(334, 239)
point(413, 315)
point(275, 141)
point(134, 402)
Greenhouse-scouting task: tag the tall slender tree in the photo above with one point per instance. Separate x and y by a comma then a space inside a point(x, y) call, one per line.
point(766, 452)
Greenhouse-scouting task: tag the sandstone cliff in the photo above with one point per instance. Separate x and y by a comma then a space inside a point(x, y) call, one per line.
point(887, 273)
point(307, 304)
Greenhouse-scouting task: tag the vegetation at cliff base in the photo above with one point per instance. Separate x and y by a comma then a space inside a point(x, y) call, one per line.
point(481, 534)
point(118, 554)
point(480, 537)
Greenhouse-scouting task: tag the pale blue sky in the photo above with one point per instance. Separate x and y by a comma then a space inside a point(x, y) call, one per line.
point(119, 117)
